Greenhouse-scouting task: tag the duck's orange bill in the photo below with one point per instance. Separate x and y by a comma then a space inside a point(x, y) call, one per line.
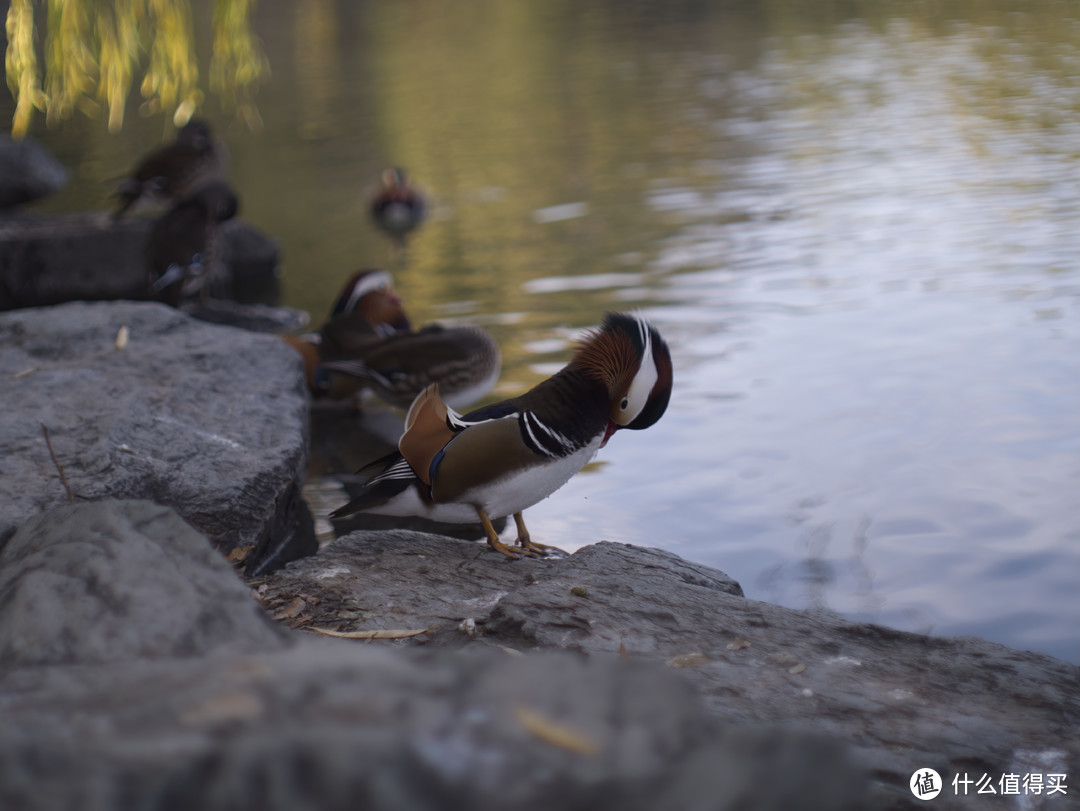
point(611, 428)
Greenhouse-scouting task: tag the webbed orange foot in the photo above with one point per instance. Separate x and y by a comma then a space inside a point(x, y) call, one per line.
point(525, 543)
point(514, 553)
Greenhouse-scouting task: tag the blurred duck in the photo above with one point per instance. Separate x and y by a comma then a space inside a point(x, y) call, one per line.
point(368, 343)
point(464, 361)
point(366, 310)
point(503, 458)
point(175, 171)
point(398, 208)
point(182, 248)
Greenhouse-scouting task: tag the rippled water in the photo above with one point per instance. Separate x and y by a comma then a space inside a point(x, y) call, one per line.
point(860, 235)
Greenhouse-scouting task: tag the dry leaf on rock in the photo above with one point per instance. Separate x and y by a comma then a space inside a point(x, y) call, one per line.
point(555, 732)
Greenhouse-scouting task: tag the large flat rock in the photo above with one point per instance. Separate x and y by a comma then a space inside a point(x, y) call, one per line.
point(51, 260)
point(210, 420)
point(348, 726)
point(47, 260)
point(114, 581)
point(181, 718)
point(905, 701)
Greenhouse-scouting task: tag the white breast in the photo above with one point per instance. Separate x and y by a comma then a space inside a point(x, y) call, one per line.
point(502, 497)
point(517, 492)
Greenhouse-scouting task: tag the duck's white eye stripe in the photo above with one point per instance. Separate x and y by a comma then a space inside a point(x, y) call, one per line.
point(642, 384)
point(645, 333)
point(373, 281)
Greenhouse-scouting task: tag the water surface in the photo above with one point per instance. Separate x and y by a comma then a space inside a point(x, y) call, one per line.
point(859, 231)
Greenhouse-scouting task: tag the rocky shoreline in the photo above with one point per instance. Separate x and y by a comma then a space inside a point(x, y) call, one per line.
point(136, 669)
point(211, 420)
point(171, 638)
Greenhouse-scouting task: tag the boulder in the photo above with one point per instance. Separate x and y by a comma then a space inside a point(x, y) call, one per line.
point(51, 260)
point(27, 172)
point(210, 420)
point(147, 711)
point(905, 701)
point(254, 264)
point(406, 579)
point(89, 257)
point(254, 317)
point(348, 725)
point(115, 581)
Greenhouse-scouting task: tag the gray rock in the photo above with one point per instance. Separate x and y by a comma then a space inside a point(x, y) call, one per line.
point(364, 522)
point(119, 580)
point(347, 725)
point(254, 264)
point(400, 578)
point(906, 701)
point(330, 724)
point(50, 260)
point(254, 317)
point(210, 420)
point(89, 257)
point(27, 172)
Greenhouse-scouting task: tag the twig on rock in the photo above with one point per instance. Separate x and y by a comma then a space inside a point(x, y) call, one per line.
point(59, 469)
point(379, 634)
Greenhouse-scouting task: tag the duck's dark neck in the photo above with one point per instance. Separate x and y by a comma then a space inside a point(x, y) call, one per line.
point(571, 403)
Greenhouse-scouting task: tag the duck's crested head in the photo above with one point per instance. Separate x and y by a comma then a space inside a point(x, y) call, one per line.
point(371, 294)
point(628, 355)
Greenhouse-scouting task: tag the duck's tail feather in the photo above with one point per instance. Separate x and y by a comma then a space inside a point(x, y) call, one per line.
point(390, 476)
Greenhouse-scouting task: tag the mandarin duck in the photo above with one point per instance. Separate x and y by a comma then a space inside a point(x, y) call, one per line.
point(366, 310)
point(463, 361)
point(175, 171)
point(398, 208)
point(502, 458)
point(181, 249)
point(368, 343)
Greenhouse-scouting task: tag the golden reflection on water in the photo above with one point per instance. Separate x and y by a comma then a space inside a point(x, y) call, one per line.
point(501, 110)
point(319, 71)
point(504, 110)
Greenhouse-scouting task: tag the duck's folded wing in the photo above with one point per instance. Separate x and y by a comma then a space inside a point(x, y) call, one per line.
point(353, 368)
point(427, 430)
point(348, 336)
point(433, 352)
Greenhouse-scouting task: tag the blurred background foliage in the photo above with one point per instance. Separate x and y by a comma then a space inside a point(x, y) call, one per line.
point(95, 49)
